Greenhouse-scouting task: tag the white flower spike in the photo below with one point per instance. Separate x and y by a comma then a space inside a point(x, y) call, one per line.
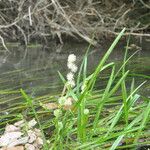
point(71, 58)
point(71, 83)
point(70, 76)
point(74, 68)
point(86, 111)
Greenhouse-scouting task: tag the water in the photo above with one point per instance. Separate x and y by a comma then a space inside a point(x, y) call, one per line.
point(35, 69)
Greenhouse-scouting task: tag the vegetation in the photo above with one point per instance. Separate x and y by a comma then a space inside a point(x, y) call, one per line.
point(114, 117)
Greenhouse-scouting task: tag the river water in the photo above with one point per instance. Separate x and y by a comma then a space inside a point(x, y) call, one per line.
point(35, 69)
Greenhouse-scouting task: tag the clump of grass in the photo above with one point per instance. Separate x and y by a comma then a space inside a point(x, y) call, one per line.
point(87, 123)
point(110, 118)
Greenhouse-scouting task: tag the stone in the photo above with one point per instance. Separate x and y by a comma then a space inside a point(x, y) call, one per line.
point(39, 142)
point(8, 138)
point(29, 147)
point(20, 141)
point(13, 148)
point(19, 123)
point(32, 123)
point(16, 148)
point(38, 132)
point(32, 136)
point(11, 128)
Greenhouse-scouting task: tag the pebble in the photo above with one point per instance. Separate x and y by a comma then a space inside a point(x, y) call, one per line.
point(29, 147)
point(20, 141)
point(14, 139)
point(39, 142)
point(13, 148)
point(37, 132)
point(32, 123)
point(11, 128)
point(32, 136)
point(19, 123)
point(8, 138)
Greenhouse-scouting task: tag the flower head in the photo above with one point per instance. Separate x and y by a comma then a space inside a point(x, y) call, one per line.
point(68, 101)
point(57, 112)
point(73, 69)
point(70, 76)
point(86, 111)
point(60, 125)
point(71, 58)
point(71, 83)
point(62, 100)
point(69, 65)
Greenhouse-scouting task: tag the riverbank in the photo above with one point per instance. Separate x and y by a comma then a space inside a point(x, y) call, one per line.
point(26, 21)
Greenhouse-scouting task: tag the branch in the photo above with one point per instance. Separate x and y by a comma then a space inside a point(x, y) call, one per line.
point(3, 43)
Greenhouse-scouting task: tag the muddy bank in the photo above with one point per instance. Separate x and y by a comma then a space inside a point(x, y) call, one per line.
point(28, 21)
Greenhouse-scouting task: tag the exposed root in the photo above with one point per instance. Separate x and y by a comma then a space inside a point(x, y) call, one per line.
point(3, 43)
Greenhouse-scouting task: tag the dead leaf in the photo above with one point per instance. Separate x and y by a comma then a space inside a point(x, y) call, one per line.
point(67, 107)
point(68, 103)
point(50, 106)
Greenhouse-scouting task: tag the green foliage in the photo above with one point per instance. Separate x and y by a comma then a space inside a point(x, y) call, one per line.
point(105, 119)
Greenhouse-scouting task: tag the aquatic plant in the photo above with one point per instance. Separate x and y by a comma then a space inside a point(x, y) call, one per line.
point(86, 120)
point(113, 117)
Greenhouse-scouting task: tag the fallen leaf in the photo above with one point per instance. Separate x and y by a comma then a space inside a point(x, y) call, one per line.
point(68, 103)
point(50, 106)
point(67, 107)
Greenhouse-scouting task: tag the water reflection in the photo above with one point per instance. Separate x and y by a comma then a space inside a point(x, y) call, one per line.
point(36, 69)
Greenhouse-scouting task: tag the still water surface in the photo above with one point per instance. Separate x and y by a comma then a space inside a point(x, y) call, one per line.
point(36, 68)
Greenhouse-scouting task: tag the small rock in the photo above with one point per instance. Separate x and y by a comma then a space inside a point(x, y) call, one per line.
point(19, 123)
point(14, 148)
point(4, 148)
point(32, 123)
point(36, 146)
point(20, 141)
point(7, 138)
point(4, 141)
point(11, 128)
point(37, 132)
point(29, 147)
point(32, 136)
point(39, 142)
